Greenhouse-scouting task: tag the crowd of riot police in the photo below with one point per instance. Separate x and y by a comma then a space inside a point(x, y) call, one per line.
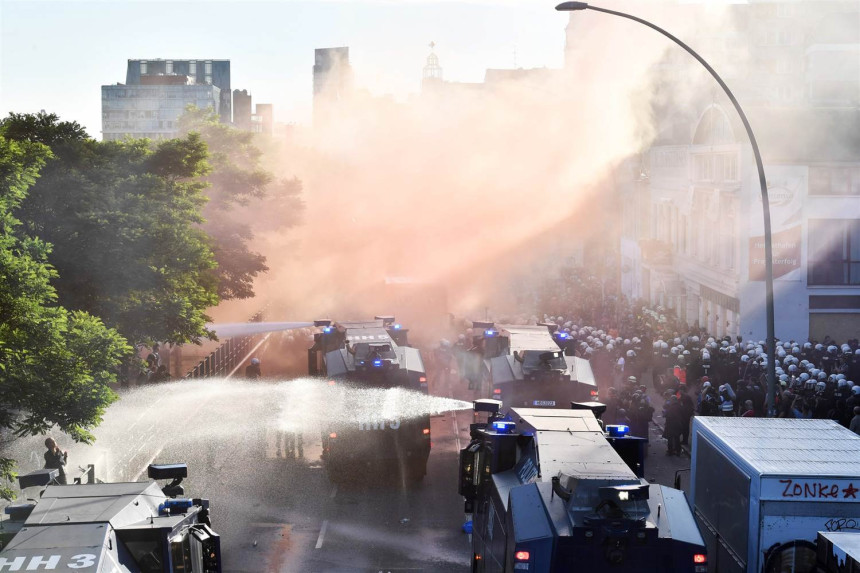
point(721, 376)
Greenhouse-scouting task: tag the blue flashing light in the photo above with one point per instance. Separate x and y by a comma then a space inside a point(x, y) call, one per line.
point(328, 330)
point(397, 327)
point(617, 430)
point(377, 363)
point(361, 362)
point(562, 335)
point(165, 507)
point(503, 427)
point(490, 333)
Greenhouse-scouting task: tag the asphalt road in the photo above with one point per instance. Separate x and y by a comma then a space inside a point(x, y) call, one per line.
point(278, 513)
point(282, 513)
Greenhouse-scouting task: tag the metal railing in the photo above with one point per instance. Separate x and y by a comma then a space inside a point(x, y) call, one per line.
point(224, 359)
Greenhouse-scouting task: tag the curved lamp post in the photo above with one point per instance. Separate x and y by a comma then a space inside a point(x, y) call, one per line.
point(768, 246)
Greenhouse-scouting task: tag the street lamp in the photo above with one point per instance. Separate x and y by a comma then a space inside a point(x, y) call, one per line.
point(768, 246)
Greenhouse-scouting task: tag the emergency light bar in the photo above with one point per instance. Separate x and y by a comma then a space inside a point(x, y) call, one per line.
point(617, 430)
point(504, 427)
point(328, 329)
point(489, 333)
point(171, 505)
point(377, 363)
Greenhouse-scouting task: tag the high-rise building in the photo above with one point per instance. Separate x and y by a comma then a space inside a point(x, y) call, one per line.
point(332, 80)
point(242, 109)
point(212, 72)
point(153, 108)
point(265, 111)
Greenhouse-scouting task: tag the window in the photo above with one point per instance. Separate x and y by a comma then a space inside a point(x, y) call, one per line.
point(730, 171)
point(784, 10)
point(192, 68)
point(834, 252)
point(169, 67)
point(142, 68)
point(834, 180)
point(207, 67)
point(704, 167)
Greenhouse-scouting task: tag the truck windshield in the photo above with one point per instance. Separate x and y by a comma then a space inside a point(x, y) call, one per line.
point(543, 360)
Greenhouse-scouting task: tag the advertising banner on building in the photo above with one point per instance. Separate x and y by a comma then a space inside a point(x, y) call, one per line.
point(786, 253)
point(786, 189)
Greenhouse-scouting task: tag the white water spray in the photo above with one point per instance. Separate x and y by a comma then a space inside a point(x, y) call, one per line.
point(182, 415)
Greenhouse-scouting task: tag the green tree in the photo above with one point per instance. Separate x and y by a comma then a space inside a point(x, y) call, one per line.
point(124, 219)
point(244, 198)
point(55, 365)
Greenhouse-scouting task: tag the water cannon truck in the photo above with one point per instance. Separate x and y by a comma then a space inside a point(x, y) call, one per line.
point(106, 527)
point(534, 370)
point(547, 491)
point(372, 354)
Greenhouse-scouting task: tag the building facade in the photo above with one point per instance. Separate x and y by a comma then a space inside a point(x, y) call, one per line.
point(151, 111)
point(242, 109)
point(202, 72)
point(332, 81)
point(692, 233)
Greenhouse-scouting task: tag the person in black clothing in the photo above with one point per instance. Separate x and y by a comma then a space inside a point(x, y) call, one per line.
point(674, 426)
point(688, 408)
point(55, 459)
point(252, 370)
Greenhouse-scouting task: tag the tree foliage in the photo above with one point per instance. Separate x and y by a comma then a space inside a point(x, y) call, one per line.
point(55, 365)
point(124, 219)
point(244, 199)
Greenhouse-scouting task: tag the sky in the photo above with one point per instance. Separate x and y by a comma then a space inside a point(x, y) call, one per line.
point(56, 55)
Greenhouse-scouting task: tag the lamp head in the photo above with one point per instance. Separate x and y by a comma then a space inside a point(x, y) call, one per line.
point(571, 6)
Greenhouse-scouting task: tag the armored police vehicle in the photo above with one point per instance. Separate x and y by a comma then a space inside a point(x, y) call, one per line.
point(535, 372)
point(372, 354)
point(548, 492)
point(106, 527)
point(485, 344)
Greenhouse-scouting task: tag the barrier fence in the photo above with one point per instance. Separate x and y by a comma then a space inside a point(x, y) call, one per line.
point(224, 359)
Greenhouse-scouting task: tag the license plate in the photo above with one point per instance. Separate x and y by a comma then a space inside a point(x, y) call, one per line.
point(544, 403)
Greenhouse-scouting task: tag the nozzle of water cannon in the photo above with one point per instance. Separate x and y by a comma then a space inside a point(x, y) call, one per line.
point(323, 322)
point(487, 405)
